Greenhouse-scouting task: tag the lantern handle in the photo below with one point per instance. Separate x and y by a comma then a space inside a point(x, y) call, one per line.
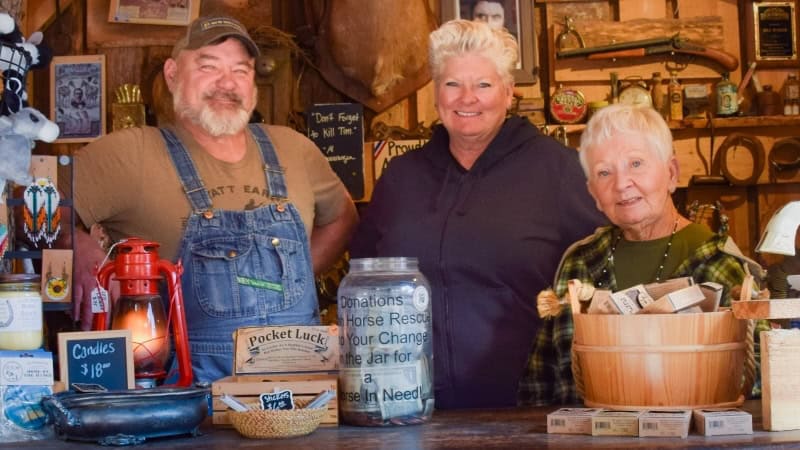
point(177, 314)
point(103, 276)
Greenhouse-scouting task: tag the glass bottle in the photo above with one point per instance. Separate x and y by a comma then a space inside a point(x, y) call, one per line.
point(727, 101)
point(791, 96)
point(657, 93)
point(675, 91)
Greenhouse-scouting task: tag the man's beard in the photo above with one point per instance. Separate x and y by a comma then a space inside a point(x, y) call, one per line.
point(216, 123)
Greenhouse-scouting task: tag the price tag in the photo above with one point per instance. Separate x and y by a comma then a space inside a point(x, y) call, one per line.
point(277, 400)
point(96, 358)
point(99, 298)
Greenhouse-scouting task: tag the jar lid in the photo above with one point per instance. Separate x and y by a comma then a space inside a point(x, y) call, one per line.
point(8, 278)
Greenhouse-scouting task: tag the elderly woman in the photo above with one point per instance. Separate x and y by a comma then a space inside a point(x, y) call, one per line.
point(488, 206)
point(626, 153)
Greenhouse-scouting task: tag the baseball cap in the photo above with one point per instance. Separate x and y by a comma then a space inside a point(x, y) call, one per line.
point(206, 30)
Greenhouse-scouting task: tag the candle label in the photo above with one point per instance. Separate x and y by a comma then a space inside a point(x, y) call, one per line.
point(23, 313)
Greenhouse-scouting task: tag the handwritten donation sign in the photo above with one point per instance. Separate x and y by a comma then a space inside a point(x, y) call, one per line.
point(96, 357)
point(338, 130)
point(383, 151)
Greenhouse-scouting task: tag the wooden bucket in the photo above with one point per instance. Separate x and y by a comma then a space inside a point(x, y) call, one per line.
point(662, 361)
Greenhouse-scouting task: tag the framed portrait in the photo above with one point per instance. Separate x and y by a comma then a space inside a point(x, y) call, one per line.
point(515, 15)
point(78, 97)
point(771, 33)
point(155, 12)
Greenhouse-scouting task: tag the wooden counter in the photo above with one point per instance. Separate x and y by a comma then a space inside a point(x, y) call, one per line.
point(508, 428)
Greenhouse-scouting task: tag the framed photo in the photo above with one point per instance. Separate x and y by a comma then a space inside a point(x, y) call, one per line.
point(515, 15)
point(156, 12)
point(771, 33)
point(78, 97)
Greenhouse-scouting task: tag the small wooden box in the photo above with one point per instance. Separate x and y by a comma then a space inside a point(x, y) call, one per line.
point(247, 388)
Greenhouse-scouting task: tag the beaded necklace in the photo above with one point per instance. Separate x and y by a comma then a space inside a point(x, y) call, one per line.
point(610, 260)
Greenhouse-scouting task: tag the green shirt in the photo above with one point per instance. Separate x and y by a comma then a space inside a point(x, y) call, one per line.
point(638, 262)
point(548, 376)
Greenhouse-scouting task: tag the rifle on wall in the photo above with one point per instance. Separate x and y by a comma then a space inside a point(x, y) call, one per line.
point(672, 45)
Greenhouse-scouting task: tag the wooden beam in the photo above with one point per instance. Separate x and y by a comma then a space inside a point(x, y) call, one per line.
point(783, 308)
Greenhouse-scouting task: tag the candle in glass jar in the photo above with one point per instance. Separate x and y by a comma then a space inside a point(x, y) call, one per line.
point(20, 312)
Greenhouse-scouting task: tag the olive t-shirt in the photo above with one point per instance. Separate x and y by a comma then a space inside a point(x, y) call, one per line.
point(127, 182)
point(637, 262)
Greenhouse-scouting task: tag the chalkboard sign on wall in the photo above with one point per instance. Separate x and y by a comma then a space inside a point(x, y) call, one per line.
point(96, 357)
point(338, 130)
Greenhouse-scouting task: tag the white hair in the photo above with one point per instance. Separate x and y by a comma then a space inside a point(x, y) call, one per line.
point(620, 118)
point(459, 37)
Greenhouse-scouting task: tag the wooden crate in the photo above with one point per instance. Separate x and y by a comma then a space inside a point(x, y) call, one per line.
point(247, 388)
point(780, 362)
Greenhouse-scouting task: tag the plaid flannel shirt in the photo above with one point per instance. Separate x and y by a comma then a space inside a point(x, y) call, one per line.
point(548, 376)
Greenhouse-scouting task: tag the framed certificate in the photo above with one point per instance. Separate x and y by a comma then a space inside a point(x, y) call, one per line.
point(771, 33)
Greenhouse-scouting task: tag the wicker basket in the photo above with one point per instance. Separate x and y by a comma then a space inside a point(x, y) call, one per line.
point(258, 423)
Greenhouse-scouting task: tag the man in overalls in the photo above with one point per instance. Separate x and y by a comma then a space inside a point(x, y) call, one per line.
point(252, 211)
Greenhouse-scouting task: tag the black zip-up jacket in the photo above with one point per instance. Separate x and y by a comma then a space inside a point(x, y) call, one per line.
point(488, 239)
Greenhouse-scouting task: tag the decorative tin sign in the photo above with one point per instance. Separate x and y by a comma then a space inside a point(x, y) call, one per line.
point(568, 106)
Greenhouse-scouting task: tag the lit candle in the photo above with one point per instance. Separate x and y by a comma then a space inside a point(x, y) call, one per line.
point(148, 328)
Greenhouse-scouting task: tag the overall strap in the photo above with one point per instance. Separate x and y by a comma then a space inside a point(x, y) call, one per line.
point(187, 171)
point(272, 168)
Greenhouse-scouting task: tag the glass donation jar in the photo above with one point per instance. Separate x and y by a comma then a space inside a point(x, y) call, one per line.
point(385, 343)
point(20, 312)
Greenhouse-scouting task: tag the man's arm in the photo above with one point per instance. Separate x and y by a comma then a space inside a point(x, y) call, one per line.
point(329, 241)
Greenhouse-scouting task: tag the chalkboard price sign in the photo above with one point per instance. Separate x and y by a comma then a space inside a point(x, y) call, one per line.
point(103, 358)
point(277, 400)
point(338, 130)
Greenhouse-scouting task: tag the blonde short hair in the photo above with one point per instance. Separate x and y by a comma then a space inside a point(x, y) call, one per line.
point(626, 119)
point(459, 37)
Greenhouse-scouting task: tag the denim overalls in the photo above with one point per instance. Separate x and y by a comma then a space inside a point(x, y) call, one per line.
point(241, 268)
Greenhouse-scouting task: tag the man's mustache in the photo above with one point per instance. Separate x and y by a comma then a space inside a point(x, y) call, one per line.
point(226, 96)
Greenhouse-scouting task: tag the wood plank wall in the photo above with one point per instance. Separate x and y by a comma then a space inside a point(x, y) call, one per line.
point(135, 53)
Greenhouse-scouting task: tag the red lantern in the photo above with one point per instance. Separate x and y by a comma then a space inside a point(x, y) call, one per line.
point(141, 310)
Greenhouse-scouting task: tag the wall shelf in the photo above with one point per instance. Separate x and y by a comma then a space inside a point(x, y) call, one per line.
point(717, 122)
point(736, 122)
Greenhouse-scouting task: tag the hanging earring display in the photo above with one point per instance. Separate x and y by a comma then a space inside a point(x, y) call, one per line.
point(41, 216)
point(57, 275)
point(57, 286)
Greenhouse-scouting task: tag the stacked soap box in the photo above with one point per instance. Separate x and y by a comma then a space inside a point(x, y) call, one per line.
point(649, 423)
point(303, 359)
